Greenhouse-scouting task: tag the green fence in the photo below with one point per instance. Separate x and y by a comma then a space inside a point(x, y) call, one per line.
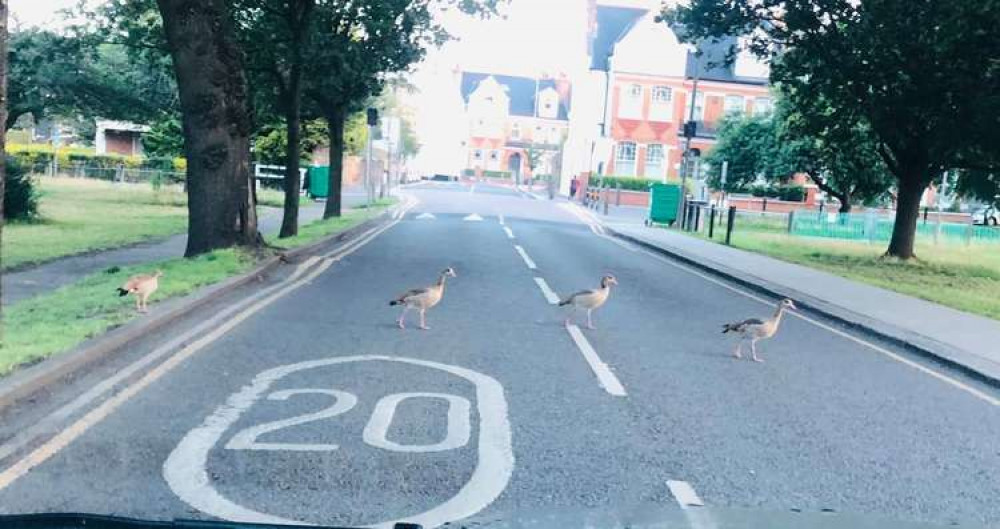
point(861, 227)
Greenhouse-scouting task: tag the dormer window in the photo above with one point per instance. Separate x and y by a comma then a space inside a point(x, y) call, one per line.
point(548, 104)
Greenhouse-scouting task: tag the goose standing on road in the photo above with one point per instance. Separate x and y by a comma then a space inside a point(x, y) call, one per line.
point(422, 299)
point(589, 300)
point(141, 286)
point(755, 330)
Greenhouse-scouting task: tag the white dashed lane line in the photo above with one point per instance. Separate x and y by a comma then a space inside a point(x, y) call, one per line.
point(605, 376)
point(550, 296)
point(510, 234)
point(524, 255)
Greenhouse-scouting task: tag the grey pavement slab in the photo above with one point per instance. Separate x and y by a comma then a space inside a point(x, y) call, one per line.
point(967, 339)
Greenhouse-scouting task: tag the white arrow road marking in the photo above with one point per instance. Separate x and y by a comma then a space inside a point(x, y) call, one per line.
point(524, 255)
point(473, 218)
point(427, 216)
point(185, 469)
point(550, 296)
point(605, 377)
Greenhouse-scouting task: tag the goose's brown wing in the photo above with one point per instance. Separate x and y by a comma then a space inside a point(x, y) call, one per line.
point(574, 297)
point(740, 326)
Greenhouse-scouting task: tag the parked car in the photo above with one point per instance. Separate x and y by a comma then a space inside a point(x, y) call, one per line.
point(987, 216)
point(444, 178)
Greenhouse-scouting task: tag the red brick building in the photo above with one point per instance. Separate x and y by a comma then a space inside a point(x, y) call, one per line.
point(507, 115)
point(648, 78)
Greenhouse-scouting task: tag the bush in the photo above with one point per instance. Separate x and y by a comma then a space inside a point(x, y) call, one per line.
point(20, 201)
point(792, 193)
point(496, 174)
point(628, 183)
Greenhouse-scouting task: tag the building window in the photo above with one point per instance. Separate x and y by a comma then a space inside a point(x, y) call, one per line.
point(699, 107)
point(654, 161)
point(515, 131)
point(734, 105)
point(762, 106)
point(554, 136)
point(494, 156)
point(625, 158)
point(477, 155)
point(631, 104)
point(659, 110)
point(661, 94)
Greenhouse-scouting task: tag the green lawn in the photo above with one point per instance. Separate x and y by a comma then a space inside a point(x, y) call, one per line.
point(79, 215)
point(45, 325)
point(959, 276)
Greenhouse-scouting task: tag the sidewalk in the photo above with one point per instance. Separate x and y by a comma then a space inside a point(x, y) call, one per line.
point(967, 341)
point(49, 276)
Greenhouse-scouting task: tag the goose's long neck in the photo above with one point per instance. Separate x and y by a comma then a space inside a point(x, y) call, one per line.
point(777, 314)
point(441, 280)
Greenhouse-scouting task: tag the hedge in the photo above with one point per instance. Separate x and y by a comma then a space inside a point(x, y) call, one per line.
point(496, 174)
point(788, 193)
point(35, 155)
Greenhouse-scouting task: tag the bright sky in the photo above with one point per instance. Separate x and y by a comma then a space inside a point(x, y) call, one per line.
point(38, 12)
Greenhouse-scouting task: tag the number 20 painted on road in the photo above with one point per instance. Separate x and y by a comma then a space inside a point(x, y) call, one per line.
point(185, 469)
point(459, 425)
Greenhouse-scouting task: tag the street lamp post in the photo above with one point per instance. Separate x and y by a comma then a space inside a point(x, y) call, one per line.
point(690, 129)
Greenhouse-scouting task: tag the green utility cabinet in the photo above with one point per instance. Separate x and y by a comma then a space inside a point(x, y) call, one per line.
point(319, 181)
point(664, 200)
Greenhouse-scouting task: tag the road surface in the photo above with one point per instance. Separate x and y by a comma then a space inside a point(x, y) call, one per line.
point(305, 403)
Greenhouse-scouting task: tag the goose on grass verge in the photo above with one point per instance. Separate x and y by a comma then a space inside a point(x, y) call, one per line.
point(589, 300)
point(755, 329)
point(141, 286)
point(422, 299)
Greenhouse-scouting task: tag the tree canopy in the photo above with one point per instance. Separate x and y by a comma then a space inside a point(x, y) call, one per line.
point(911, 71)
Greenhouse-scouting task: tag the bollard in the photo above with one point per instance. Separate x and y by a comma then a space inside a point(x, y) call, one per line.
point(791, 220)
point(697, 218)
point(729, 224)
point(711, 221)
point(764, 204)
point(606, 193)
point(618, 193)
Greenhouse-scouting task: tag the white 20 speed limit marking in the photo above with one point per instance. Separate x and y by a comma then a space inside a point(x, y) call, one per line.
point(185, 467)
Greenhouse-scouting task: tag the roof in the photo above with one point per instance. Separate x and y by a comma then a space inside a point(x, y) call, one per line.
point(715, 63)
point(522, 91)
point(612, 24)
point(125, 126)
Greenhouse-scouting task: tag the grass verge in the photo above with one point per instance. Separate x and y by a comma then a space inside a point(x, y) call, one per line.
point(962, 277)
point(79, 215)
point(48, 324)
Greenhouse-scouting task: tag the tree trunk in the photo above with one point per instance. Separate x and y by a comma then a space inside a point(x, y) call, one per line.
point(336, 119)
point(845, 202)
point(213, 94)
point(293, 181)
point(3, 136)
point(904, 230)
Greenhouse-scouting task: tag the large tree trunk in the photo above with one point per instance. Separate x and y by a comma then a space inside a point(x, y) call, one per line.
point(293, 181)
point(336, 120)
point(213, 94)
point(3, 136)
point(904, 230)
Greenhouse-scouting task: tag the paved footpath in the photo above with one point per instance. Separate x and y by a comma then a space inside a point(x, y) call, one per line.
point(967, 340)
point(49, 276)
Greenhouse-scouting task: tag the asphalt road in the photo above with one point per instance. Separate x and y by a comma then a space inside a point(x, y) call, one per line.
point(311, 406)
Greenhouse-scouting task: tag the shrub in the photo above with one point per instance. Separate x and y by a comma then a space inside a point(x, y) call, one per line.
point(792, 193)
point(20, 201)
point(628, 183)
point(496, 174)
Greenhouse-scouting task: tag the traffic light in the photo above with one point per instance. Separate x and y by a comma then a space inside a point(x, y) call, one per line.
point(690, 129)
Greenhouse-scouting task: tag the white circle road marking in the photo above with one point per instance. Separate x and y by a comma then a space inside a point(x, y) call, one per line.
point(459, 426)
point(186, 474)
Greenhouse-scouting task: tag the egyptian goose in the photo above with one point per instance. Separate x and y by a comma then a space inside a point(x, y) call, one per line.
point(755, 330)
point(589, 299)
point(141, 286)
point(422, 299)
